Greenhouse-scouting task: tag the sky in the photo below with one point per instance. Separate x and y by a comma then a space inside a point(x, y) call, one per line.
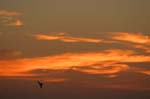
point(79, 49)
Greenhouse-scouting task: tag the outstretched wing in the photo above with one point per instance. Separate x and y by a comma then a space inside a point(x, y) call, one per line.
point(40, 84)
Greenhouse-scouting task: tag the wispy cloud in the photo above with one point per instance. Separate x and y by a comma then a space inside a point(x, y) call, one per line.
point(109, 62)
point(10, 18)
point(135, 40)
point(9, 13)
point(143, 47)
point(99, 67)
point(105, 69)
point(15, 23)
point(65, 38)
point(145, 71)
point(138, 38)
point(55, 80)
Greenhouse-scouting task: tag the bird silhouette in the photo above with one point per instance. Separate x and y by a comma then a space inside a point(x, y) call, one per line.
point(40, 84)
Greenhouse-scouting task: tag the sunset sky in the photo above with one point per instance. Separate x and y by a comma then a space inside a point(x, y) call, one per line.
point(79, 49)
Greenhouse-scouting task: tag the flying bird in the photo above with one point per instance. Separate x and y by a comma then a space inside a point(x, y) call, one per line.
point(40, 84)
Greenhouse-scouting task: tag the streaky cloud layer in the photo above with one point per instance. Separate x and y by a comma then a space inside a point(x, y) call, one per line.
point(15, 23)
point(65, 38)
point(105, 59)
point(9, 13)
point(10, 18)
point(110, 64)
point(138, 38)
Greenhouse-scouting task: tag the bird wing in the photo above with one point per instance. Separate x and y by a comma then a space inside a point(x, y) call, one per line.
point(40, 84)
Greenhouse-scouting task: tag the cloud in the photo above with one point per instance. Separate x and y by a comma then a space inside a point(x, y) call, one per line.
point(111, 76)
point(137, 38)
point(110, 69)
point(91, 69)
point(65, 38)
point(143, 47)
point(9, 13)
point(10, 18)
point(145, 71)
point(55, 80)
point(15, 23)
point(110, 62)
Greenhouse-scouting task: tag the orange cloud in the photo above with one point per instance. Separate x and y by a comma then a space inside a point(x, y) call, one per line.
point(9, 13)
point(16, 23)
point(55, 80)
point(111, 76)
point(109, 60)
point(115, 68)
point(143, 47)
point(66, 38)
point(147, 72)
point(44, 79)
point(10, 18)
point(138, 38)
point(127, 87)
point(142, 71)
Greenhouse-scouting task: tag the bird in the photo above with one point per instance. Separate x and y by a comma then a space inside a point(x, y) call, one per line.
point(40, 84)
